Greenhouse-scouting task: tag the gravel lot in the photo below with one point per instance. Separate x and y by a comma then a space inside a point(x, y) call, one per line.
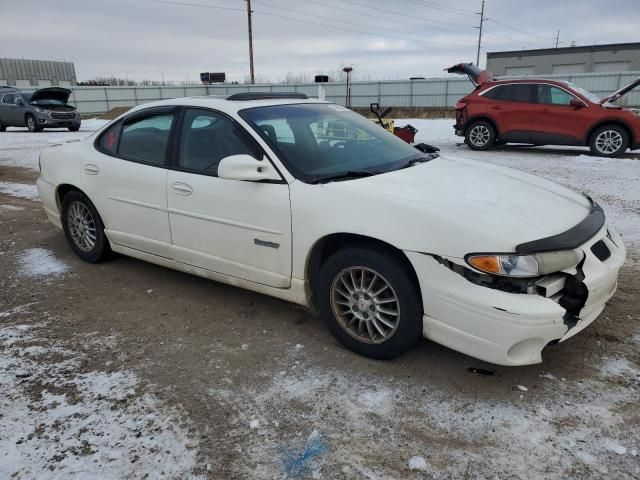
point(129, 370)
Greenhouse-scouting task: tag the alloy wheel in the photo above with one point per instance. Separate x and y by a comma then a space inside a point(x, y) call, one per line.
point(479, 135)
point(609, 141)
point(82, 226)
point(365, 304)
point(31, 123)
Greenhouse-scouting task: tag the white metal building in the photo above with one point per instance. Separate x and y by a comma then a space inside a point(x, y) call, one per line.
point(21, 73)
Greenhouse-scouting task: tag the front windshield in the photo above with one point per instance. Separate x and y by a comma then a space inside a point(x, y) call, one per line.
point(317, 140)
point(592, 97)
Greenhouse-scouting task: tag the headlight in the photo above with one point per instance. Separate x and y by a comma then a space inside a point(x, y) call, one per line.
point(512, 265)
point(41, 110)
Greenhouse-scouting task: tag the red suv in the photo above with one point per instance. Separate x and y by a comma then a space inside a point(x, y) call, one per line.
point(543, 112)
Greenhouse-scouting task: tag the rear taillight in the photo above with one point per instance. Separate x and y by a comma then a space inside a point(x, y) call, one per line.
point(460, 105)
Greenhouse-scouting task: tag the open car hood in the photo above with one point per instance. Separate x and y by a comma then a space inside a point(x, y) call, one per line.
point(477, 76)
point(618, 93)
point(51, 93)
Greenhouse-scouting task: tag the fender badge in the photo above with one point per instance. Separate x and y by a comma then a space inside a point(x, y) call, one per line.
point(264, 243)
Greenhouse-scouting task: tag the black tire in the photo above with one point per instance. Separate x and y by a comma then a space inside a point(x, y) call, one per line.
point(100, 249)
point(31, 123)
point(75, 128)
point(609, 141)
point(2, 127)
point(392, 270)
point(480, 135)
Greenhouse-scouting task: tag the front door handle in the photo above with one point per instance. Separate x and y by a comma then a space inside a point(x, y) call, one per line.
point(91, 169)
point(182, 188)
point(543, 110)
point(496, 107)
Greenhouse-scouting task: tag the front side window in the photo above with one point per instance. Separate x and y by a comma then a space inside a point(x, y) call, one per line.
point(318, 141)
point(551, 95)
point(208, 137)
point(516, 92)
point(145, 139)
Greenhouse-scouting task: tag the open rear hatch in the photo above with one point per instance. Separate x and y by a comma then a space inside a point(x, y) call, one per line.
point(56, 94)
point(475, 74)
point(619, 93)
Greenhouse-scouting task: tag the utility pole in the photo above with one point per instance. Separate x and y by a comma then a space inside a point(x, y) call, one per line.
point(480, 34)
point(557, 38)
point(253, 80)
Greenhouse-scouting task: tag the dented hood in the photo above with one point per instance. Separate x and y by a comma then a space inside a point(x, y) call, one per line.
point(452, 206)
point(51, 93)
point(475, 74)
point(619, 93)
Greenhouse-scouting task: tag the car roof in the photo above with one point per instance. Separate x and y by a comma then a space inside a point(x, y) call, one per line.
point(222, 104)
point(503, 81)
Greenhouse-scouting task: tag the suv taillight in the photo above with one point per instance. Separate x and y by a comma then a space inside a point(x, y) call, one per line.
point(460, 105)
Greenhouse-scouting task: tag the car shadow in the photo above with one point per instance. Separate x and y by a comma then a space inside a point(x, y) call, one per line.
point(568, 151)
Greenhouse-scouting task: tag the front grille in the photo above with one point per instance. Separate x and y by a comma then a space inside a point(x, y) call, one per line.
point(63, 116)
point(600, 250)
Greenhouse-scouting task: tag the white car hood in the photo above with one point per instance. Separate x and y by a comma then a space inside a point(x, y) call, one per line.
point(452, 206)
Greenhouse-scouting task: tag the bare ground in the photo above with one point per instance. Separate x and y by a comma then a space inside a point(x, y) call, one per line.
point(264, 391)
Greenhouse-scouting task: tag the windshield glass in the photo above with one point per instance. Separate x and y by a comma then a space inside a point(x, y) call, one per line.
point(592, 97)
point(326, 140)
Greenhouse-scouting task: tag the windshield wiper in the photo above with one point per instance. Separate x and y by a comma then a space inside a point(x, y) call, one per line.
point(343, 176)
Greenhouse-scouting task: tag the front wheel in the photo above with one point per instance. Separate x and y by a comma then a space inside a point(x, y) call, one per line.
point(609, 141)
point(370, 302)
point(32, 125)
point(75, 128)
point(3, 128)
point(480, 135)
point(83, 228)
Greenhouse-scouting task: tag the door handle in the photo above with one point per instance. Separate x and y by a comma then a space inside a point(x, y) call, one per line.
point(182, 188)
point(91, 169)
point(496, 107)
point(544, 110)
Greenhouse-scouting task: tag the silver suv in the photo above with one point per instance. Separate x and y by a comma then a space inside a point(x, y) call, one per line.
point(44, 108)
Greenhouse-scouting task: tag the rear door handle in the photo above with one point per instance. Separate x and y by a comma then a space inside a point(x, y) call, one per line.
point(496, 107)
point(182, 188)
point(91, 169)
point(544, 110)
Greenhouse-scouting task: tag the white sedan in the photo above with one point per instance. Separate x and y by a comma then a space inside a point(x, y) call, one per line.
point(307, 201)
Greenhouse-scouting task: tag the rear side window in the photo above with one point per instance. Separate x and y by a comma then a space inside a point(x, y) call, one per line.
point(8, 99)
point(109, 140)
point(516, 92)
point(145, 139)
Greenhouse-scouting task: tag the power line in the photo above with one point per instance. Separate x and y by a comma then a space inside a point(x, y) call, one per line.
point(441, 7)
point(169, 2)
point(517, 30)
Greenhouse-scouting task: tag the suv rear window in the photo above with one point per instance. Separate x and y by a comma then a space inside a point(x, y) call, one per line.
point(515, 92)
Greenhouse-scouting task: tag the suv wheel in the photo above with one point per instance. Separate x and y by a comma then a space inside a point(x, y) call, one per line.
point(75, 128)
point(480, 135)
point(369, 302)
point(609, 141)
point(83, 228)
point(32, 124)
point(2, 128)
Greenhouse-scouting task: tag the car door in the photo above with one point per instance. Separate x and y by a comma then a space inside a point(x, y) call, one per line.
point(19, 111)
point(233, 227)
point(127, 180)
point(557, 122)
point(8, 110)
point(511, 107)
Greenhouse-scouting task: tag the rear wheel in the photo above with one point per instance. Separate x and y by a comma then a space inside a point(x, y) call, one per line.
point(609, 141)
point(370, 303)
point(83, 228)
point(32, 124)
point(480, 135)
point(3, 128)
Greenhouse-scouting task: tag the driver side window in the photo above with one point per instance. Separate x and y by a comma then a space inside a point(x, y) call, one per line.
point(208, 137)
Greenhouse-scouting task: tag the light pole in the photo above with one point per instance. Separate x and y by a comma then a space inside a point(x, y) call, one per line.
point(347, 100)
point(162, 73)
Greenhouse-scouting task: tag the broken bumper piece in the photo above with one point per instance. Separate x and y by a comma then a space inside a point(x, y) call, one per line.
point(508, 328)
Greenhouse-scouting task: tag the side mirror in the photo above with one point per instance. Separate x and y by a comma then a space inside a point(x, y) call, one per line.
point(574, 102)
point(19, 102)
point(245, 167)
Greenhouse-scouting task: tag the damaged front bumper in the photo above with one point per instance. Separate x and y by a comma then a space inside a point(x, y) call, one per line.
point(508, 328)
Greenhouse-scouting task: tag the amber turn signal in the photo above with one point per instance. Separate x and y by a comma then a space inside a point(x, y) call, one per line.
point(486, 263)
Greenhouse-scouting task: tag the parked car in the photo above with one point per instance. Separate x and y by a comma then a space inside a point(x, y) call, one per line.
point(388, 243)
point(543, 112)
point(44, 108)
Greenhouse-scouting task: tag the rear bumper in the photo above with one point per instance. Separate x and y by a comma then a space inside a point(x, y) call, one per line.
point(508, 328)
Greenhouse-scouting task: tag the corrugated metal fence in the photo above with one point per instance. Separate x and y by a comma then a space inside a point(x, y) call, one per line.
point(433, 92)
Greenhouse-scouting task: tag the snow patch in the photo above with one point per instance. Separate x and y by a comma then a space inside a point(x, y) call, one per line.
point(20, 190)
point(613, 446)
point(418, 463)
point(40, 262)
point(10, 208)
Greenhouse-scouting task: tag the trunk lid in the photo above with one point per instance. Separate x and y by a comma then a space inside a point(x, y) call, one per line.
point(51, 93)
point(475, 74)
point(619, 93)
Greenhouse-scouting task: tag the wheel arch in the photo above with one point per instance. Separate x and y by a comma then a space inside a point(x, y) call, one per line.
point(610, 121)
point(485, 118)
point(324, 247)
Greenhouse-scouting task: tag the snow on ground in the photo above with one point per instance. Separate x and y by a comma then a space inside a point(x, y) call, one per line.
point(20, 190)
point(58, 423)
point(40, 262)
point(614, 183)
point(21, 148)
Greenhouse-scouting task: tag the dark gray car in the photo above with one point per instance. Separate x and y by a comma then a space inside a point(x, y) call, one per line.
point(44, 108)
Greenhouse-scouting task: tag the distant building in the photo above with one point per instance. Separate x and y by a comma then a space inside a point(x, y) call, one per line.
point(21, 73)
point(615, 57)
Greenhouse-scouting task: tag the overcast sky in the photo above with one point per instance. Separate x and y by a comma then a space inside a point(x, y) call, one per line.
point(382, 39)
